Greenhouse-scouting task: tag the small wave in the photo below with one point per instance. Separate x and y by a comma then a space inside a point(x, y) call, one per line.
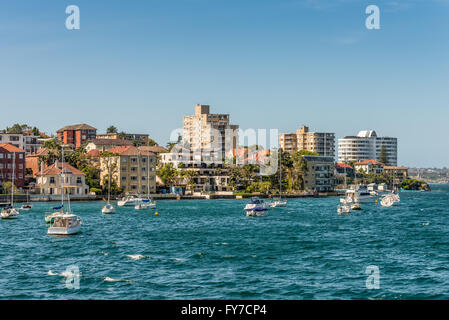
point(108, 279)
point(426, 223)
point(178, 259)
point(135, 256)
point(51, 273)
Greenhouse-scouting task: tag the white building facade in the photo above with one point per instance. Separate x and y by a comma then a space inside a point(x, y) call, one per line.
point(367, 146)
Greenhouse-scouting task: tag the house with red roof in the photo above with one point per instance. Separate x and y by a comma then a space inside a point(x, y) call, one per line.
point(10, 156)
point(49, 182)
point(369, 166)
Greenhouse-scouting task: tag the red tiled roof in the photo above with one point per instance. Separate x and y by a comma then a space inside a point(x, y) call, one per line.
point(38, 153)
point(395, 168)
point(343, 165)
point(11, 148)
point(93, 153)
point(154, 149)
point(112, 142)
point(81, 126)
point(55, 170)
point(365, 162)
point(130, 151)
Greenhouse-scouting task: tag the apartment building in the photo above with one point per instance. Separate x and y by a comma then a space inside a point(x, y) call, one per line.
point(106, 144)
point(76, 135)
point(320, 175)
point(10, 156)
point(367, 146)
point(128, 167)
point(322, 143)
point(210, 135)
point(398, 174)
point(28, 142)
point(137, 139)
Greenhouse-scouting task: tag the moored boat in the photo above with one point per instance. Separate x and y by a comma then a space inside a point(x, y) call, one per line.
point(65, 224)
point(256, 208)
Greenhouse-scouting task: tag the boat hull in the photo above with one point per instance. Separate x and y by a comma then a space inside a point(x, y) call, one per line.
point(60, 231)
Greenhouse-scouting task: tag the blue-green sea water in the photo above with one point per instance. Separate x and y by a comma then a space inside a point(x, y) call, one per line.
point(211, 250)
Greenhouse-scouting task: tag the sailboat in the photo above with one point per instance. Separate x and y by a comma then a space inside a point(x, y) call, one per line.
point(145, 203)
point(278, 202)
point(10, 212)
point(27, 206)
point(63, 222)
point(108, 208)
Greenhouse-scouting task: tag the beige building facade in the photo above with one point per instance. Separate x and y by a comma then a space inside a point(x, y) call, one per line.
point(322, 143)
point(206, 133)
point(130, 169)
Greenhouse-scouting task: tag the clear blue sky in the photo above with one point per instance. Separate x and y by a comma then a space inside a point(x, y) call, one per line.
point(142, 65)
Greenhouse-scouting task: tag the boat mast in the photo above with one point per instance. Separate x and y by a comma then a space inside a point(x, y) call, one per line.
point(63, 178)
point(13, 173)
point(280, 174)
point(109, 178)
point(138, 171)
point(148, 175)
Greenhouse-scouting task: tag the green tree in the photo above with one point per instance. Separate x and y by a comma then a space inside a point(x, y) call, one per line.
point(151, 142)
point(167, 173)
point(111, 129)
point(383, 155)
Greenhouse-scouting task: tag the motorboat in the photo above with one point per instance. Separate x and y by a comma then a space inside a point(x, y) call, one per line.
point(128, 201)
point(65, 224)
point(256, 208)
point(26, 207)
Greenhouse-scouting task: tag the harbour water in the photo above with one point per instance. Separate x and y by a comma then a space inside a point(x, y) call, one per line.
point(211, 250)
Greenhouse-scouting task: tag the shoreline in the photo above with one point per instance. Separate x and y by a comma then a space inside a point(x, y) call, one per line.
point(4, 199)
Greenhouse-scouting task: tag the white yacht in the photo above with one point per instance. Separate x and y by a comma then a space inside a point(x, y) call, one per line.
point(27, 206)
point(391, 199)
point(278, 202)
point(128, 201)
point(148, 203)
point(10, 212)
point(361, 195)
point(344, 209)
point(108, 207)
point(256, 208)
point(65, 224)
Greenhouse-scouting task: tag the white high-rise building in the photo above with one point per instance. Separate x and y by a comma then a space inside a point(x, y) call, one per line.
point(367, 146)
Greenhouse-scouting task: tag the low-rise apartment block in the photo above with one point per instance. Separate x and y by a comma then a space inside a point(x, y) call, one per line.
point(322, 143)
point(12, 159)
point(320, 175)
point(130, 167)
point(76, 135)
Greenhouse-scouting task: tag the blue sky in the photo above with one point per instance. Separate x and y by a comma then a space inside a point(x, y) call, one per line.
point(143, 64)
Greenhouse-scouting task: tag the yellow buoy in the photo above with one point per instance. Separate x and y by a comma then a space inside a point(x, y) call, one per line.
point(156, 213)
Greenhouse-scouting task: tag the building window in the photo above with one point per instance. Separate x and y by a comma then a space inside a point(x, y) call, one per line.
point(52, 180)
point(78, 180)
